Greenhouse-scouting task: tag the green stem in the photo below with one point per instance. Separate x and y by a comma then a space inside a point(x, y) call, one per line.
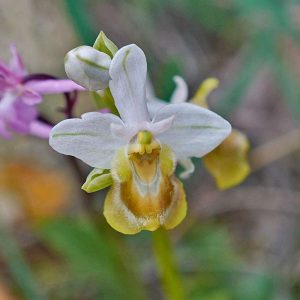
point(165, 260)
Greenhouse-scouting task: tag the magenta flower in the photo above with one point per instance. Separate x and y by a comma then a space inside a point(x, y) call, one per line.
point(19, 95)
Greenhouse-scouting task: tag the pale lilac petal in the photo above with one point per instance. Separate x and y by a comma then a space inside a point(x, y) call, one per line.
point(180, 94)
point(4, 70)
point(195, 131)
point(16, 63)
point(7, 105)
point(31, 97)
point(53, 86)
point(23, 116)
point(128, 72)
point(40, 129)
point(3, 130)
point(89, 138)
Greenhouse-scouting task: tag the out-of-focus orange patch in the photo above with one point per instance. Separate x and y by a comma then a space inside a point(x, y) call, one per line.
point(5, 294)
point(41, 193)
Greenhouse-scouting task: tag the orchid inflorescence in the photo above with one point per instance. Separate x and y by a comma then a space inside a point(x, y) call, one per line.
point(20, 93)
point(136, 152)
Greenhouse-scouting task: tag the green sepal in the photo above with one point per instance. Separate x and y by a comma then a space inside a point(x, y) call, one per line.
point(97, 180)
point(104, 99)
point(104, 44)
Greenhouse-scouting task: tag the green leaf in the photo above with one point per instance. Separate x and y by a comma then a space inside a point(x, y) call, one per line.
point(80, 17)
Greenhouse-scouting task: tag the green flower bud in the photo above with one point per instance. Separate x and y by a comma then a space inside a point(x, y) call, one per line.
point(97, 180)
point(104, 44)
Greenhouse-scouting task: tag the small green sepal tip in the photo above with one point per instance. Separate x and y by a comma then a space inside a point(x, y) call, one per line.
point(104, 44)
point(97, 180)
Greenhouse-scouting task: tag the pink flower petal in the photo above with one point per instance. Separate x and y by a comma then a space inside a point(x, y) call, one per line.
point(53, 86)
point(31, 97)
point(3, 131)
point(16, 63)
point(40, 129)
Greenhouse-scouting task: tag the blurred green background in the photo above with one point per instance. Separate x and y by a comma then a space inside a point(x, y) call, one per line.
point(240, 244)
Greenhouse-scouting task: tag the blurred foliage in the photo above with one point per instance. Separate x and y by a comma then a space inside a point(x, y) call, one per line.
point(17, 266)
point(255, 28)
point(92, 258)
point(216, 272)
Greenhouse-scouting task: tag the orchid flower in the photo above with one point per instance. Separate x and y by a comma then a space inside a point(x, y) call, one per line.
point(19, 95)
point(228, 163)
point(140, 150)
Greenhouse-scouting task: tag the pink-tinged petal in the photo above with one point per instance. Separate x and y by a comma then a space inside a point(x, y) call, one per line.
point(23, 116)
point(7, 102)
point(40, 129)
point(104, 110)
point(15, 115)
point(128, 72)
point(53, 86)
point(4, 70)
point(16, 63)
point(31, 97)
point(3, 85)
point(3, 130)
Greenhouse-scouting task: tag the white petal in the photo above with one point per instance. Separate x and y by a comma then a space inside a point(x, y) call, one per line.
point(128, 78)
point(195, 131)
point(150, 93)
point(188, 167)
point(88, 67)
point(180, 94)
point(160, 126)
point(89, 138)
point(154, 105)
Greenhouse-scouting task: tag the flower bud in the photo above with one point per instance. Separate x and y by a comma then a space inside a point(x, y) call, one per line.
point(88, 67)
point(97, 180)
point(104, 44)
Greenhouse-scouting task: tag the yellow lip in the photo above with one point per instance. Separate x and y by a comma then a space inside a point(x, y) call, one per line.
point(145, 194)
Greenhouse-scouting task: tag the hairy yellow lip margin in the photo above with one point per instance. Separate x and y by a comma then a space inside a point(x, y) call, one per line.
point(145, 194)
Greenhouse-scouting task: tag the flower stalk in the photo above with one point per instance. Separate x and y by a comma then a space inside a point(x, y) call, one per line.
point(166, 266)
